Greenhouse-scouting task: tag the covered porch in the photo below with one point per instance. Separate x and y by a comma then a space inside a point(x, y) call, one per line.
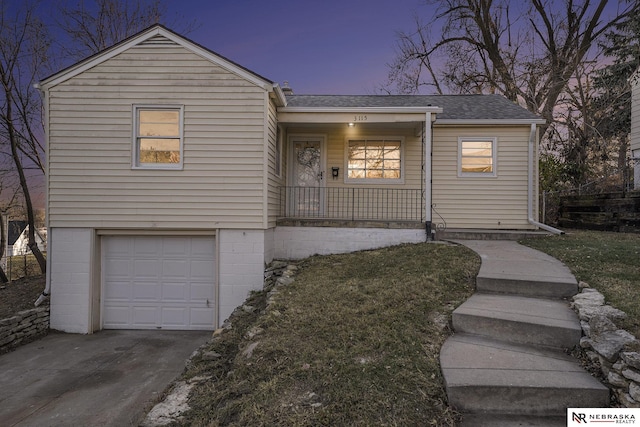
point(355, 167)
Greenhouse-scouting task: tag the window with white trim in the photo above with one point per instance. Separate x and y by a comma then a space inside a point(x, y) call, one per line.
point(477, 157)
point(374, 160)
point(158, 141)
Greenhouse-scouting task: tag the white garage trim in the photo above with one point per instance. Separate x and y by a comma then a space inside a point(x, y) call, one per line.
point(159, 282)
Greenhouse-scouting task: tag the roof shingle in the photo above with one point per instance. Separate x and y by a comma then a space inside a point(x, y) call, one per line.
point(455, 107)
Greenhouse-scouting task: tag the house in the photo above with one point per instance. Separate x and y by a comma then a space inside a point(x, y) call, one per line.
point(634, 136)
point(175, 175)
point(14, 231)
point(21, 244)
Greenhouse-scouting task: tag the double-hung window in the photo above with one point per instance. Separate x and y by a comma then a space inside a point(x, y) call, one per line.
point(158, 141)
point(477, 157)
point(374, 160)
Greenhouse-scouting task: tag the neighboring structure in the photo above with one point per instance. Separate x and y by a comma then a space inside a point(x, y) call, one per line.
point(14, 231)
point(21, 244)
point(634, 136)
point(175, 174)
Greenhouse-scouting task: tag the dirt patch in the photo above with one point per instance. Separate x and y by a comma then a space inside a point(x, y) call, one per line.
point(20, 295)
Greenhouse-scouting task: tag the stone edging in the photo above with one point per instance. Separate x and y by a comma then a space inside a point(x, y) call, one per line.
point(24, 327)
point(614, 352)
point(175, 403)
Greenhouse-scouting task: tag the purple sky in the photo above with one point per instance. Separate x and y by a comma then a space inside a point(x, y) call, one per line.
point(319, 46)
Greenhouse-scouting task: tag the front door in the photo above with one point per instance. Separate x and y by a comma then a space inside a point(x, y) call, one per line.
point(307, 193)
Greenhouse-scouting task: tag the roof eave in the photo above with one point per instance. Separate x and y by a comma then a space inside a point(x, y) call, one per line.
point(416, 110)
point(489, 121)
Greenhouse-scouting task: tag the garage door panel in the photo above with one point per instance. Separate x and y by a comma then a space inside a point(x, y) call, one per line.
point(174, 317)
point(201, 292)
point(146, 291)
point(158, 282)
point(119, 291)
point(144, 315)
point(119, 316)
point(201, 269)
point(175, 268)
point(201, 317)
point(175, 291)
point(175, 247)
point(147, 268)
point(147, 247)
point(203, 247)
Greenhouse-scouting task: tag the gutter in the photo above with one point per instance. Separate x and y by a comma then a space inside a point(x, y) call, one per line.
point(532, 221)
point(47, 289)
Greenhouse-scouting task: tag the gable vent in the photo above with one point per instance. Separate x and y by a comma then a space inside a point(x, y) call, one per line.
point(158, 40)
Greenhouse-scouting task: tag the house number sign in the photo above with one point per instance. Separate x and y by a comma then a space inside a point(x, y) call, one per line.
point(359, 118)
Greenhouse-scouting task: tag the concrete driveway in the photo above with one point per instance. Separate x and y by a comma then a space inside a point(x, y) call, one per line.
point(110, 378)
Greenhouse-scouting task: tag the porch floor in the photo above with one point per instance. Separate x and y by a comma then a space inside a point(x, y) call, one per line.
point(339, 223)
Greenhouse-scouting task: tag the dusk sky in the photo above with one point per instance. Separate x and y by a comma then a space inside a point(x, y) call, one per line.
point(319, 46)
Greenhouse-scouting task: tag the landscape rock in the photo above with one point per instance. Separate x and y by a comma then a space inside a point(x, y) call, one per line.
point(248, 351)
point(617, 380)
point(171, 408)
point(599, 324)
point(587, 312)
point(211, 355)
point(610, 343)
point(632, 375)
point(634, 392)
point(631, 358)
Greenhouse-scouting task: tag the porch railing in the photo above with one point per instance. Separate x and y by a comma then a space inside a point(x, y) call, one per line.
point(350, 203)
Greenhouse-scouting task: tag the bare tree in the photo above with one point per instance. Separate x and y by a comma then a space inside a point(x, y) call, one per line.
point(94, 25)
point(24, 47)
point(527, 51)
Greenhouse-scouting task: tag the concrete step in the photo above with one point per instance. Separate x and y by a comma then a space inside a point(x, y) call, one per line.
point(488, 377)
point(510, 268)
point(517, 319)
point(485, 234)
point(492, 420)
point(504, 284)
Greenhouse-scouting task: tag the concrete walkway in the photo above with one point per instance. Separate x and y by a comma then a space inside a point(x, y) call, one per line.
point(110, 378)
point(507, 364)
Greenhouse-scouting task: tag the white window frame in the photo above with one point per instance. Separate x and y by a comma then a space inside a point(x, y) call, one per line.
point(381, 181)
point(494, 157)
point(135, 157)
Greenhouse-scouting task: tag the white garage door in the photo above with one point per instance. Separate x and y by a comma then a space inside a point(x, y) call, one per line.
point(158, 282)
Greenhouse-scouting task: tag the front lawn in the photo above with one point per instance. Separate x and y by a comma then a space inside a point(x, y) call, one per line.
point(608, 262)
point(354, 341)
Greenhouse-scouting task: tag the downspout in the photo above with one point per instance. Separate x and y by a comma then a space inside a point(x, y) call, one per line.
point(47, 289)
point(427, 146)
point(530, 189)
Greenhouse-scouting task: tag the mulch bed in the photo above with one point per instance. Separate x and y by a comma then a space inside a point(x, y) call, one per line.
point(20, 295)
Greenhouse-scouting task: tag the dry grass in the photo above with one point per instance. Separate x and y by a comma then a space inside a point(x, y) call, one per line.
point(353, 341)
point(609, 262)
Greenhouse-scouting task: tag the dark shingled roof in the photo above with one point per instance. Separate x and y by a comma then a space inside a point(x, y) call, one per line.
point(455, 107)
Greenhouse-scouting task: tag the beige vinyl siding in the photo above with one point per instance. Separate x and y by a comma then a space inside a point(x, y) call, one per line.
point(481, 202)
point(274, 182)
point(635, 112)
point(91, 181)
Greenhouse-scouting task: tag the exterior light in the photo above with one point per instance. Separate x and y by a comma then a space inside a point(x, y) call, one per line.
point(351, 125)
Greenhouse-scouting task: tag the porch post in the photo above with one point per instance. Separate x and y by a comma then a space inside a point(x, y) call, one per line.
point(427, 172)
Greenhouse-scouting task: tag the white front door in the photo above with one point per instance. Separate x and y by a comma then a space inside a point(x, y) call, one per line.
point(158, 282)
point(308, 172)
